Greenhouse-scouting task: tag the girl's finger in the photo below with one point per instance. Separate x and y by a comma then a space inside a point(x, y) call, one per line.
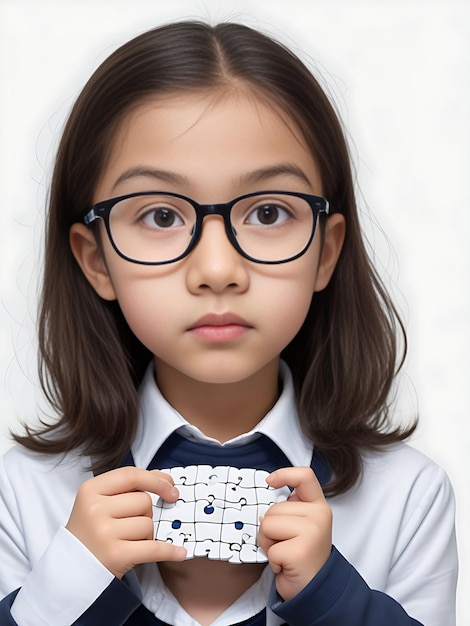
point(289, 551)
point(302, 479)
point(291, 507)
point(151, 551)
point(127, 479)
point(133, 504)
point(283, 527)
point(132, 553)
point(134, 529)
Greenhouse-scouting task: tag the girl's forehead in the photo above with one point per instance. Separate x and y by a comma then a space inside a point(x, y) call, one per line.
point(239, 105)
point(205, 134)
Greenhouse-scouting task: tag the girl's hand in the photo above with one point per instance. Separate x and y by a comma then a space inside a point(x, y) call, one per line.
point(112, 517)
point(296, 534)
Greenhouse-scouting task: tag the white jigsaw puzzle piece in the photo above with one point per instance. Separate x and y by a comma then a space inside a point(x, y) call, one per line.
point(238, 540)
point(183, 475)
point(209, 475)
point(175, 532)
point(208, 548)
point(245, 515)
point(209, 509)
point(240, 486)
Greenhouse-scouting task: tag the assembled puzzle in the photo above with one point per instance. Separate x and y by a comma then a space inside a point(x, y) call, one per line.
point(217, 513)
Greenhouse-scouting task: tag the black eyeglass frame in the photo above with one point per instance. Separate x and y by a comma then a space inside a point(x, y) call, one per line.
point(318, 205)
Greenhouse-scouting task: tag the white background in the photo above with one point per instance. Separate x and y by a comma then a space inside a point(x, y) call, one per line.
point(399, 72)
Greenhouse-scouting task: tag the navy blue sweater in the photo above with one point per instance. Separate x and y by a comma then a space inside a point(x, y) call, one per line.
point(336, 596)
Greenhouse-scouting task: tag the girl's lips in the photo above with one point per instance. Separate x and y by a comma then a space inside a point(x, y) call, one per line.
point(220, 319)
point(220, 328)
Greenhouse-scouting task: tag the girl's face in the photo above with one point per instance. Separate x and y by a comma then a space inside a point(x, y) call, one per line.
point(213, 316)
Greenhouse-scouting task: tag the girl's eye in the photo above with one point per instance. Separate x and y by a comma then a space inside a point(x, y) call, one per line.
point(162, 217)
point(268, 214)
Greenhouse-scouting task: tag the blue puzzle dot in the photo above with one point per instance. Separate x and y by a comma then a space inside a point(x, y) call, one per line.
point(209, 509)
point(238, 525)
point(176, 524)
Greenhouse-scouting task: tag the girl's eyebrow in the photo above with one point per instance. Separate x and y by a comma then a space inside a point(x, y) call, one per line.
point(257, 176)
point(162, 175)
point(273, 171)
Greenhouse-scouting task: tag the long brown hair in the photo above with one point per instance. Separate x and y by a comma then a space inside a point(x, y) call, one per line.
point(345, 356)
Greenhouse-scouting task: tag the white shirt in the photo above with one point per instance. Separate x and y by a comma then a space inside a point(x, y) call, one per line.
point(396, 526)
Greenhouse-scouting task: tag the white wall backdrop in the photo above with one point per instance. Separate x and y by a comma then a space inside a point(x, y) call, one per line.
point(400, 75)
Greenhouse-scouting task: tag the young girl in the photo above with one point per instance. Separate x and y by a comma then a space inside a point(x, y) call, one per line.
point(208, 301)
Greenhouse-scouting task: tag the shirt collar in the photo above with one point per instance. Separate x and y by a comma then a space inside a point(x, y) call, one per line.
point(158, 420)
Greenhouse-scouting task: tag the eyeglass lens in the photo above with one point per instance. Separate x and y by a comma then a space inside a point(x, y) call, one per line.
point(152, 228)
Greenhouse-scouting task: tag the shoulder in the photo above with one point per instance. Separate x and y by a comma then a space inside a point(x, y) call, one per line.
point(37, 492)
point(22, 467)
point(401, 483)
point(401, 457)
point(402, 466)
point(18, 457)
point(406, 473)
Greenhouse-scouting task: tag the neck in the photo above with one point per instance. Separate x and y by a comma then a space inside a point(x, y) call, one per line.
point(220, 411)
point(206, 588)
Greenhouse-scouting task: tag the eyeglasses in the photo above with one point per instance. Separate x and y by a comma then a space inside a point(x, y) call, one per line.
point(156, 227)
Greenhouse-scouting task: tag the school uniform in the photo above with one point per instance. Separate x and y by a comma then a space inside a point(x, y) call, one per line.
point(394, 559)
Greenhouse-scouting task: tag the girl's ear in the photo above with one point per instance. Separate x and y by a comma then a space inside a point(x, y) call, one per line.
point(333, 239)
point(89, 257)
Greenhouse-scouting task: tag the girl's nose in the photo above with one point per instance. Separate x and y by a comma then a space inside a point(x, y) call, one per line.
point(214, 264)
